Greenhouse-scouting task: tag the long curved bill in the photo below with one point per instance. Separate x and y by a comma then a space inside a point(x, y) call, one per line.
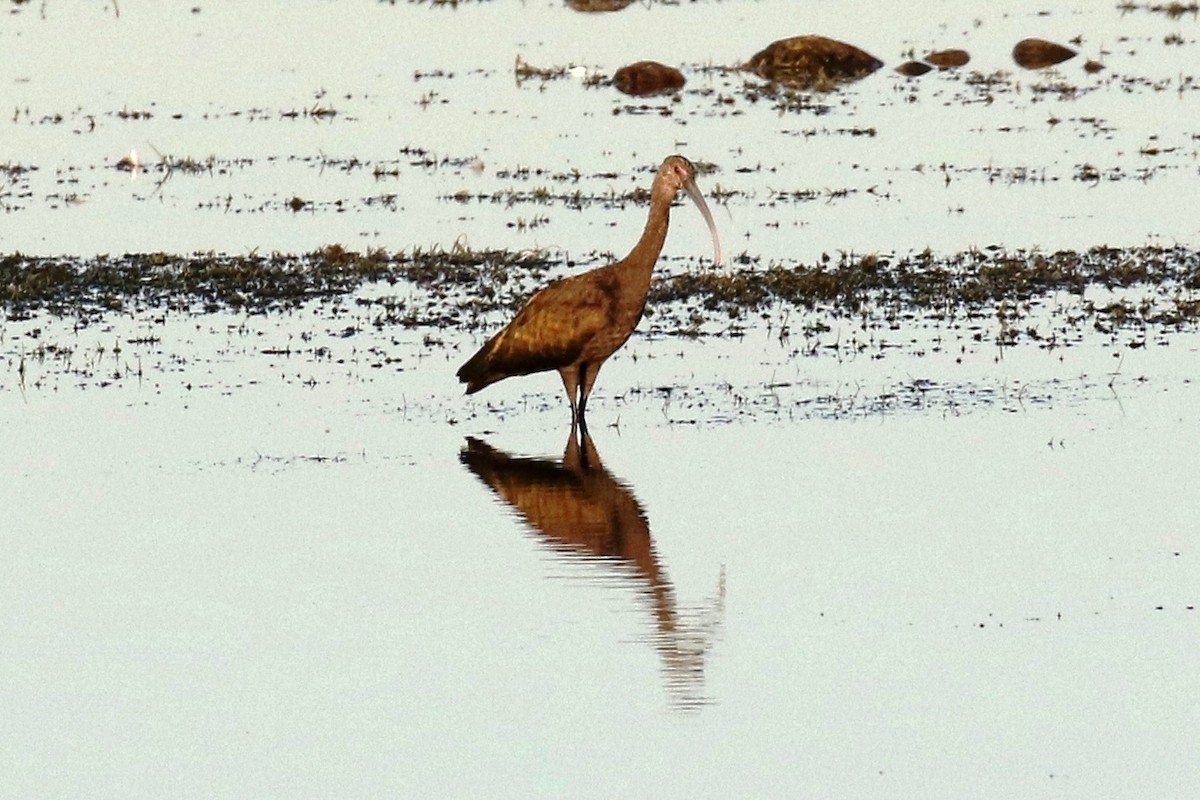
point(693, 192)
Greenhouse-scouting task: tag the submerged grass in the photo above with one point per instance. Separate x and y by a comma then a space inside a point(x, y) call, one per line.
point(967, 281)
point(460, 287)
point(71, 286)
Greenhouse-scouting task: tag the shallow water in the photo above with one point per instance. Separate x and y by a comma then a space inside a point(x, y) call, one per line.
point(252, 554)
point(250, 573)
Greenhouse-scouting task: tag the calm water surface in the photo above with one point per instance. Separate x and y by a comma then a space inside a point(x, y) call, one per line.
point(263, 574)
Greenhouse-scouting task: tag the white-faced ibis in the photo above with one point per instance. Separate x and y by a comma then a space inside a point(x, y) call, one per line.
point(574, 324)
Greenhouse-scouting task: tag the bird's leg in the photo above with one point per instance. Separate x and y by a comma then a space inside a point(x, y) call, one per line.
point(570, 379)
point(588, 373)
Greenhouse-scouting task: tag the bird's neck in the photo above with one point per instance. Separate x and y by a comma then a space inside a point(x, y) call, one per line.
point(644, 255)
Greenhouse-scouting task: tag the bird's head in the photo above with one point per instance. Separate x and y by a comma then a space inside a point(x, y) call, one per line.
point(678, 173)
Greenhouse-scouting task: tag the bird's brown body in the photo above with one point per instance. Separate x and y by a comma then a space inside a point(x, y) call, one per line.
point(574, 324)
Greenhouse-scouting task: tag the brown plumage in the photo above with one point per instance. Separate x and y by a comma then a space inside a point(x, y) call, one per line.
point(574, 324)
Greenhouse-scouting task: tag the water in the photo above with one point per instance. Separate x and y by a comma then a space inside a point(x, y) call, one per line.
point(378, 115)
point(252, 574)
point(280, 554)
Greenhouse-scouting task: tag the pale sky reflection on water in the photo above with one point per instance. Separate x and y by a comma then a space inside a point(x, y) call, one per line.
point(270, 574)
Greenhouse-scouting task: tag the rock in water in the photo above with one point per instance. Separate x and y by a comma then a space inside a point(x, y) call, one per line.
point(598, 6)
point(645, 78)
point(812, 62)
point(1038, 53)
point(913, 69)
point(948, 59)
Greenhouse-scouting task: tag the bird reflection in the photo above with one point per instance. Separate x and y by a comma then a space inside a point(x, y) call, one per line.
point(578, 508)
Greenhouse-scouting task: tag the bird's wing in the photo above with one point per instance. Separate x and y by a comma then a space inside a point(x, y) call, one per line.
point(553, 327)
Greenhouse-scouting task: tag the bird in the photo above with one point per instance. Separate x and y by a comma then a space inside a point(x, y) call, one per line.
point(574, 324)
